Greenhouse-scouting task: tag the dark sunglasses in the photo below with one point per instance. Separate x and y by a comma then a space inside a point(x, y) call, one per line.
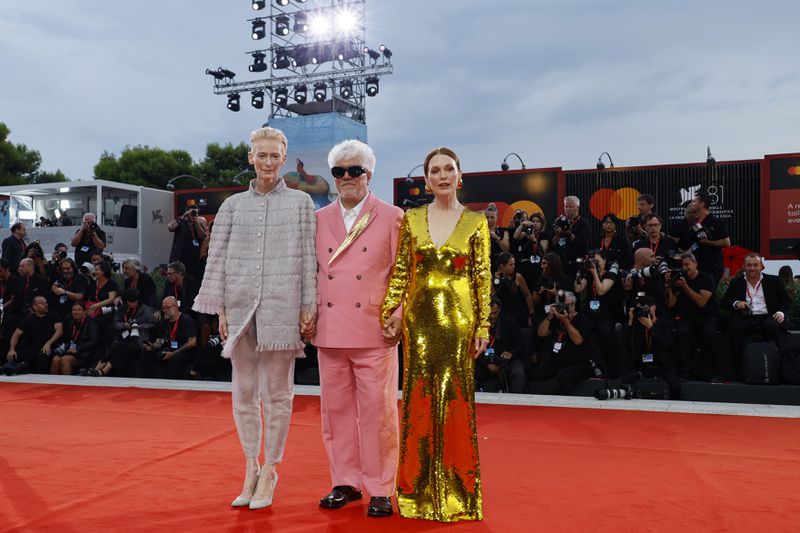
point(354, 171)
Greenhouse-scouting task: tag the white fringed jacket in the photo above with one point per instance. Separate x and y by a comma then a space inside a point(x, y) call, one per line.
point(262, 263)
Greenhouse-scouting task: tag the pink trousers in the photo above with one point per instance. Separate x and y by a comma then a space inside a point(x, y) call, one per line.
point(262, 382)
point(359, 416)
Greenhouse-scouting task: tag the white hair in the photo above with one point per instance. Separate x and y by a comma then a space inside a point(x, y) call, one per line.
point(352, 149)
point(574, 199)
point(137, 266)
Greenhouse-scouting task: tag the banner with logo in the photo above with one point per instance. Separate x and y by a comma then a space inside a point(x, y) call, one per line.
point(781, 186)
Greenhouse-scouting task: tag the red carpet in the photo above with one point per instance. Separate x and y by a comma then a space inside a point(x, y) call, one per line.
point(105, 459)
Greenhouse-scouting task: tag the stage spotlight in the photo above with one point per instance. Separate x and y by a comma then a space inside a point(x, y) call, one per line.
point(321, 53)
point(282, 25)
point(233, 101)
point(259, 29)
point(300, 22)
point(257, 99)
point(281, 96)
point(319, 25)
point(372, 86)
point(281, 60)
point(300, 56)
point(300, 94)
point(386, 52)
point(320, 92)
point(259, 4)
point(258, 62)
point(345, 50)
point(282, 2)
point(217, 74)
point(373, 55)
point(346, 89)
point(226, 73)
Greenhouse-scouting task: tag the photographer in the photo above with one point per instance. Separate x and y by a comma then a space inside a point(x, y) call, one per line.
point(502, 360)
point(704, 235)
point(512, 291)
point(605, 307)
point(646, 205)
point(209, 363)
point(35, 253)
point(68, 288)
point(500, 240)
point(546, 288)
point(9, 287)
point(89, 238)
point(136, 279)
point(100, 298)
point(645, 276)
point(35, 338)
point(80, 340)
point(133, 324)
point(664, 248)
point(30, 284)
point(181, 286)
point(571, 236)
point(530, 245)
point(760, 304)
point(690, 296)
point(189, 235)
point(651, 339)
point(172, 352)
point(566, 352)
point(52, 269)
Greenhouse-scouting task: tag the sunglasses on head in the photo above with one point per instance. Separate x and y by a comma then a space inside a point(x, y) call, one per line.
point(354, 171)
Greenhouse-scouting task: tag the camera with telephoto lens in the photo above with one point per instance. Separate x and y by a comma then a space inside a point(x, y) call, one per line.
point(624, 392)
point(214, 341)
point(563, 224)
point(699, 231)
point(62, 255)
point(641, 308)
point(94, 226)
point(517, 220)
point(613, 267)
point(494, 358)
point(134, 328)
point(528, 229)
point(675, 274)
point(193, 213)
point(586, 263)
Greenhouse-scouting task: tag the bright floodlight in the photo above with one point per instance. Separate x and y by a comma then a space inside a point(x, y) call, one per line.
point(319, 24)
point(346, 21)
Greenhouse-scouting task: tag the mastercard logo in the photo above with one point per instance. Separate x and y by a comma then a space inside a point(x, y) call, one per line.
point(621, 202)
point(794, 171)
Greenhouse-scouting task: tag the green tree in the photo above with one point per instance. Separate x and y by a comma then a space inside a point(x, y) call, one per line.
point(19, 164)
point(222, 163)
point(145, 165)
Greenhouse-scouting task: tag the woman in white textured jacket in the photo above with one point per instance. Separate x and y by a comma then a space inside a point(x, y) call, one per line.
point(261, 280)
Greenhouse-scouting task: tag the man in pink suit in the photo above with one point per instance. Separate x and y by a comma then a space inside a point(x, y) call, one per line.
point(356, 245)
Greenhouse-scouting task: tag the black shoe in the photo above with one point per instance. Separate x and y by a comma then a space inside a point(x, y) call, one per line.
point(16, 368)
point(380, 506)
point(6, 369)
point(340, 496)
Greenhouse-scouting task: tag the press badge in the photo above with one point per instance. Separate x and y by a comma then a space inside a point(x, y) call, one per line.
point(84, 248)
point(173, 345)
point(695, 246)
point(562, 241)
point(195, 242)
point(73, 346)
point(62, 299)
point(594, 305)
point(178, 303)
point(557, 346)
point(647, 358)
point(536, 259)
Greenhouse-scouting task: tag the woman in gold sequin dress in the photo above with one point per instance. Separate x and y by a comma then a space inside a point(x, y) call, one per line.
point(442, 279)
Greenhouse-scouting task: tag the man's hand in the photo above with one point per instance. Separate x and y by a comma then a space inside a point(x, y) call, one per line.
point(12, 355)
point(646, 322)
point(308, 325)
point(778, 317)
point(480, 346)
point(681, 284)
point(166, 356)
point(392, 329)
point(563, 317)
point(507, 355)
point(742, 305)
point(47, 349)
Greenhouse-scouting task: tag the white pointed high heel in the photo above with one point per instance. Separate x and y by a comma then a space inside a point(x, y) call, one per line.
point(260, 504)
point(242, 500)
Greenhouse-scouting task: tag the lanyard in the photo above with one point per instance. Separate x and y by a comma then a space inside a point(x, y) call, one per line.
point(654, 248)
point(174, 329)
point(133, 283)
point(572, 224)
point(76, 331)
point(130, 313)
point(175, 290)
point(97, 290)
point(755, 292)
point(648, 340)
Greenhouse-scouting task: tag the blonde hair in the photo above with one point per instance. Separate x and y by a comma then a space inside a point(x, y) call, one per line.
point(269, 134)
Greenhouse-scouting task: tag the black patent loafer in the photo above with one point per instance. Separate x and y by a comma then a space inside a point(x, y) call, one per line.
point(340, 496)
point(380, 506)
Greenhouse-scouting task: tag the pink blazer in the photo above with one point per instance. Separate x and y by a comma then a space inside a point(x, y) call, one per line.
point(350, 290)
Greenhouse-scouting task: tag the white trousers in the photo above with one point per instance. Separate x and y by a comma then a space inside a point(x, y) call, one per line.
point(262, 382)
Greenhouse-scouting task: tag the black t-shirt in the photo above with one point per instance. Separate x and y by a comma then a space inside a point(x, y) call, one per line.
point(186, 244)
point(96, 294)
point(608, 305)
point(86, 247)
point(709, 258)
point(37, 330)
point(26, 289)
point(147, 289)
point(180, 333)
point(77, 284)
point(617, 251)
point(685, 307)
point(569, 353)
point(665, 247)
point(560, 282)
point(571, 249)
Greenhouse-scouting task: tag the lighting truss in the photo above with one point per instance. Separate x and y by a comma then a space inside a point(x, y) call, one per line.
point(313, 43)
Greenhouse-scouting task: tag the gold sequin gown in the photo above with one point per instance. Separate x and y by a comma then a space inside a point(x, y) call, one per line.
point(445, 296)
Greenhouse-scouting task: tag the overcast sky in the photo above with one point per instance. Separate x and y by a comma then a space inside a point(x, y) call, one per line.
point(558, 81)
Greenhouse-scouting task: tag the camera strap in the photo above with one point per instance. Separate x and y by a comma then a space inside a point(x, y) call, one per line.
point(174, 331)
point(76, 331)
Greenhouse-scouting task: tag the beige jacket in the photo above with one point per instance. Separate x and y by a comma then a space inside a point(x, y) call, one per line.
point(261, 264)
